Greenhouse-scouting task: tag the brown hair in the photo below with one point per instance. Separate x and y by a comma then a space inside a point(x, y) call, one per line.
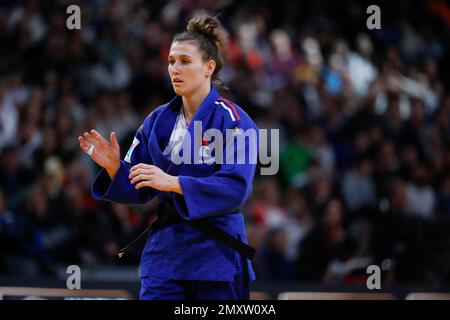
point(208, 33)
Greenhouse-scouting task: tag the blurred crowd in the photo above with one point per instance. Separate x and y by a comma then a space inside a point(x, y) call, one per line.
point(363, 116)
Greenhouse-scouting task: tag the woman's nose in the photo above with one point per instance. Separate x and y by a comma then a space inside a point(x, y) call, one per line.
point(176, 68)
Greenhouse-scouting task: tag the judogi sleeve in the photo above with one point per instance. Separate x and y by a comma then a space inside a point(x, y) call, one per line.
point(226, 190)
point(120, 188)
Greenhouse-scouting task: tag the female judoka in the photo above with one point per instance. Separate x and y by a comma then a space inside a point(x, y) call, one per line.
point(198, 247)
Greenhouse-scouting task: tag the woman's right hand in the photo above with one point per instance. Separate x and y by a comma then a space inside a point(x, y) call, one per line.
point(106, 154)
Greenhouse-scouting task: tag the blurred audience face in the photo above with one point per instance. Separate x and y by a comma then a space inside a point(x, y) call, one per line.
point(417, 112)
point(270, 193)
point(295, 202)
point(362, 141)
point(50, 141)
point(317, 136)
point(278, 240)
point(54, 170)
point(322, 189)
point(421, 175)
point(333, 213)
point(10, 160)
point(281, 43)
point(393, 113)
point(445, 187)
point(365, 168)
point(247, 34)
point(37, 204)
point(187, 70)
point(387, 158)
point(398, 195)
point(410, 155)
point(364, 45)
point(74, 194)
point(312, 52)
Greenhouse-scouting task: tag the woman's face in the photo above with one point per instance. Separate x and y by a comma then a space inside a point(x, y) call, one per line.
point(187, 70)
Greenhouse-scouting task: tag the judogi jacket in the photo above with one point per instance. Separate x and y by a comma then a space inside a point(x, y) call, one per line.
point(215, 192)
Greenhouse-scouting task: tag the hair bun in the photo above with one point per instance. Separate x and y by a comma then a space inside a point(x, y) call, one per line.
point(208, 26)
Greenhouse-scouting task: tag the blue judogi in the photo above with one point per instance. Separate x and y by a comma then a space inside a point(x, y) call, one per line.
point(215, 192)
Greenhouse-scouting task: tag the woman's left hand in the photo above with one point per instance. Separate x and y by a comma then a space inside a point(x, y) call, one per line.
point(147, 175)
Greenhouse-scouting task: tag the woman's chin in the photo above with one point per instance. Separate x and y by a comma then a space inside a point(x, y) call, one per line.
point(179, 91)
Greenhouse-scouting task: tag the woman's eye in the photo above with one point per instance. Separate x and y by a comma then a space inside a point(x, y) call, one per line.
point(172, 62)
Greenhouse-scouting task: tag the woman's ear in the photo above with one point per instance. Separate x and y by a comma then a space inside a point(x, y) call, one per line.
point(211, 67)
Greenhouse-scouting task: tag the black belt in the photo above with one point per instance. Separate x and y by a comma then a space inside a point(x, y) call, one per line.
point(168, 215)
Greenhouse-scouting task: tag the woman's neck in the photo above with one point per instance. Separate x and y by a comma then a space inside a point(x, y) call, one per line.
point(192, 103)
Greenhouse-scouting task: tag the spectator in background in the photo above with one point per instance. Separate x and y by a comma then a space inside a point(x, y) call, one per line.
point(18, 244)
point(387, 164)
point(29, 20)
point(320, 192)
point(299, 224)
point(328, 241)
point(266, 210)
point(396, 203)
point(358, 187)
point(420, 196)
point(322, 151)
point(361, 70)
point(283, 59)
point(15, 176)
point(276, 262)
point(28, 254)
